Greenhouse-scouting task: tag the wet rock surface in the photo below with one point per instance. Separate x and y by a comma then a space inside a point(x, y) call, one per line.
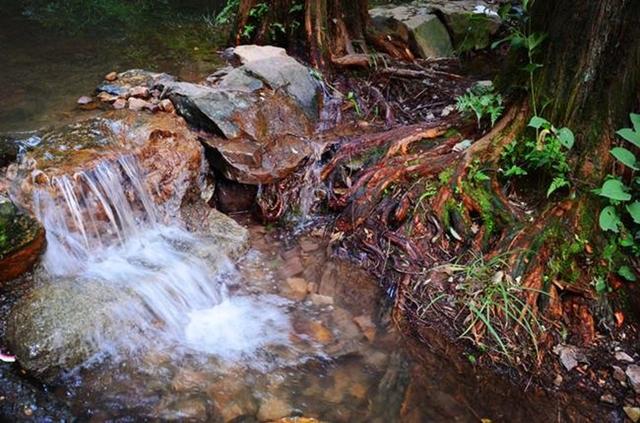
point(21, 241)
point(166, 149)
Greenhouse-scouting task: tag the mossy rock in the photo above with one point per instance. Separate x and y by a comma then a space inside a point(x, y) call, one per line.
point(21, 241)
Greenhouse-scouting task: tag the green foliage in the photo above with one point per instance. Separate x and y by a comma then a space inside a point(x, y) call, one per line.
point(228, 13)
point(522, 37)
point(546, 154)
point(351, 98)
point(621, 216)
point(482, 101)
point(493, 300)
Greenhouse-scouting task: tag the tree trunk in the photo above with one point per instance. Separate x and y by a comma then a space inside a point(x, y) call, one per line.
point(325, 31)
point(591, 72)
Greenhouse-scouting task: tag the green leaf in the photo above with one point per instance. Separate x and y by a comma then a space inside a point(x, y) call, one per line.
point(601, 285)
point(557, 183)
point(537, 122)
point(565, 135)
point(609, 219)
point(615, 190)
point(531, 67)
point(635, 120)
point(515, 171)
point(481, 176)
point(630, 135)
point(625, 157)
point(626, 240)
point(634, 211)
point(627, 273)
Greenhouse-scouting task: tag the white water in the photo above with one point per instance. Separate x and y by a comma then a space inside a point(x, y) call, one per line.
point(102, 225)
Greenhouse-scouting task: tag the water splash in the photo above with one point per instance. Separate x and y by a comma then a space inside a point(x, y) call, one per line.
point(104, 229)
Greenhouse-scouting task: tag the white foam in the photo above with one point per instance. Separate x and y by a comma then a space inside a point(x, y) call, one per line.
point(240, 327)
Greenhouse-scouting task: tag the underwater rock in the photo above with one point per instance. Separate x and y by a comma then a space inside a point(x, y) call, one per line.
point(21, 241)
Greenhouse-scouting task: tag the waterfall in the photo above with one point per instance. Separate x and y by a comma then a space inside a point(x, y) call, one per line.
point(102, 225)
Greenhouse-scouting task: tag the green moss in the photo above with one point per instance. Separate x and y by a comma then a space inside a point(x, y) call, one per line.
point(445, 176)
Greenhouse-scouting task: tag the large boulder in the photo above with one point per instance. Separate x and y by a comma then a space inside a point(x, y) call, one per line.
point(472, 23)
point(280, 71)
point(21, 241)
point(257, 139)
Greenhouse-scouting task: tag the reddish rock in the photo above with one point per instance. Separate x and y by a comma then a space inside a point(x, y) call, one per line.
point(139, 92)
point(120, 103)
point(231, 196)
point(366, 326)
point(106, 97)
point(137, 104)
point(111, 76)
point(21, 241)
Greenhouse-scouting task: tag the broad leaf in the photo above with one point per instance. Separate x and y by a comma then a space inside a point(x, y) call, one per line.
point(634, 211)
point(626, 240)
point(537, 122)
point(625, 157)
point(609, 219)
point(615, 190)
point(566, 137)
point(627, 273)
point(635, 120)
point(630, 135)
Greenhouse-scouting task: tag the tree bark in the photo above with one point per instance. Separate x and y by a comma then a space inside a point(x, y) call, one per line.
point(591, 73)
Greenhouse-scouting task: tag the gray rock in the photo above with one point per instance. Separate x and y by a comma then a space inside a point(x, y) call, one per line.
point(47, 330)
point(281, 72)
point(623, 356)
point(211, 109)
point(633, 373)
point(570, 355)
point(424, 31)
point(230, 238)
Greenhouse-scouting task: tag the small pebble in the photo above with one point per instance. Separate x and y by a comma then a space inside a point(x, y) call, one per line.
point(84, 100)
point(111, 76)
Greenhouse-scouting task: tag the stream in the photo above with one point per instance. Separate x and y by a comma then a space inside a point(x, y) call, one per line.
point(191, 315)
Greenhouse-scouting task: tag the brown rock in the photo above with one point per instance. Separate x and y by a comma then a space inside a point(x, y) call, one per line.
point(187, 380)
point(21, 241)
point(139, 92)
point(292, 267)
point(273, 408)
point(106, 97)
point(111, 76)
point(167, 106)
point(308, 245)
point(318, 299)
point(618, 374)
point(296, 288)
point(320, 333)
point(366, 326)
point(231, 196)
point(120, 103)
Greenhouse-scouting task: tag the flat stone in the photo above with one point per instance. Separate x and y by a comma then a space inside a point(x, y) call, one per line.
point(318, 299)
point(281, 72)
point(106, 97)
point(623, 356)
point(633, 373)
point(570, 355)
point(84, 100)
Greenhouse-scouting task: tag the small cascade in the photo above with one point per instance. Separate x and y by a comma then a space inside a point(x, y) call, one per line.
point(312, 185)
point(104, 229)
